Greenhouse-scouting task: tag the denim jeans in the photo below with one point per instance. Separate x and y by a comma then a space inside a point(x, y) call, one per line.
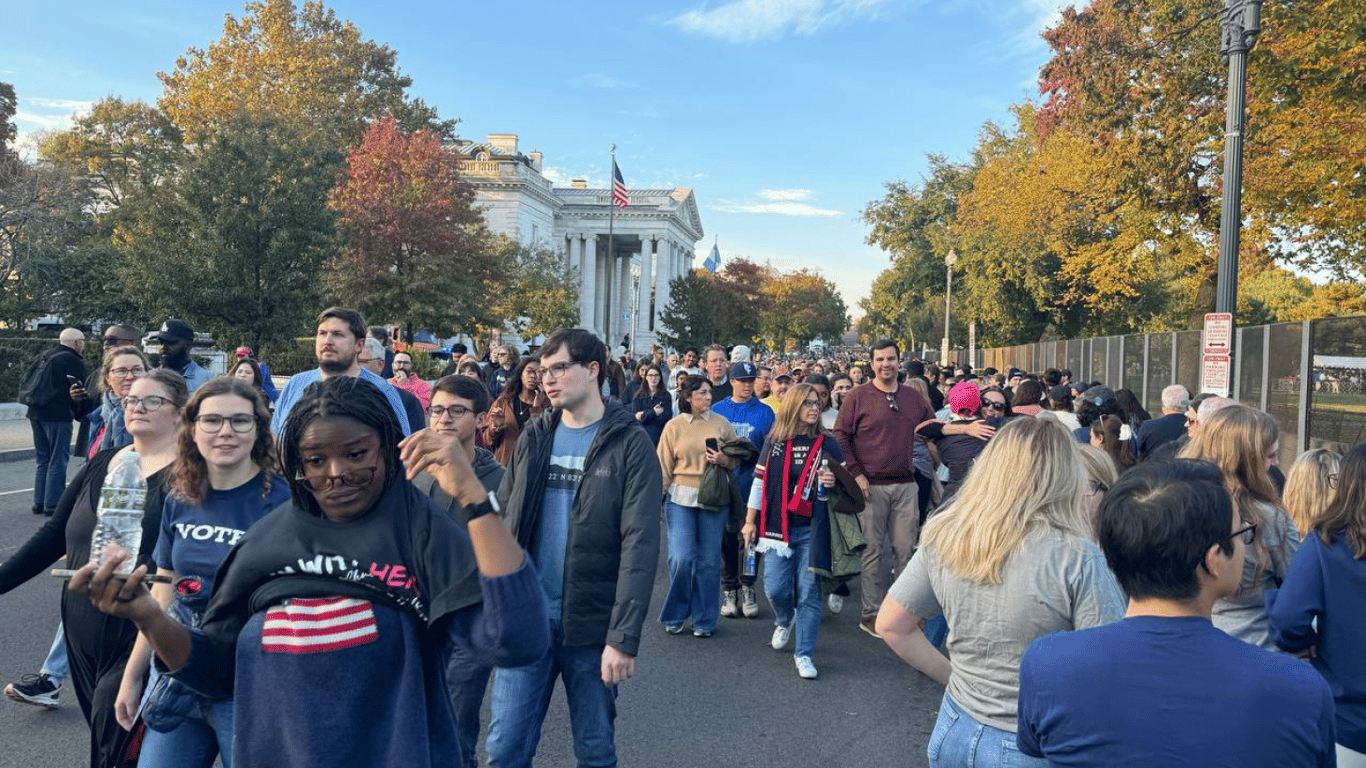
point(204, 735)
point(694, 566)
point(522, 694)
point(779, 575)
point(467, 679)
point(55, 665)
point(51, 449)
point(959, 741)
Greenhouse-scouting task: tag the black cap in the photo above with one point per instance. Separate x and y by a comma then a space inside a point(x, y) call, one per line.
point(173, 330)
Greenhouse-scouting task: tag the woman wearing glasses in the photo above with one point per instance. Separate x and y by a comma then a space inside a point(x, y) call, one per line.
point(1009, 560)
point(1310, 486)
point(520, 401)
point(98, 645)
point(784, 508)
point(1320, 610)
point(958, 449)
point(360, 582)
point(222, 482)
point(1244, 443)
point(121, 367)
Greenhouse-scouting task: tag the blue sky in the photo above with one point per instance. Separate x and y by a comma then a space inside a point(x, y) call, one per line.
point(786, 117)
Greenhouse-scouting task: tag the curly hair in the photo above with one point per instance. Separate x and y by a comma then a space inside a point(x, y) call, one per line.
point(190, 473)
point(346, 396)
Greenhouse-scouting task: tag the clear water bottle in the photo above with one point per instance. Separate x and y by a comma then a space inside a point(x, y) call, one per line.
point(823, 493)
point(751, 566)
point(119, 515)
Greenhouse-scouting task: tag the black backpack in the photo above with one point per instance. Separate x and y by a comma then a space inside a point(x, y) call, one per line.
point(37, 388)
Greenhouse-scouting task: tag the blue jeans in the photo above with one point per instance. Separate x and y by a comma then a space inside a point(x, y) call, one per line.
point(55, 665)
point(51, 449)
point(694, 566)
point(959, 741)
point(937, 630)
point(779, 575)
point(522, 694)
point(467, 678)
point(204, 735)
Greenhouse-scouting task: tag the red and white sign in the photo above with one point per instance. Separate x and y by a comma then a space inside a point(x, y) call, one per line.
point(1218, 338)
point(1216, 357)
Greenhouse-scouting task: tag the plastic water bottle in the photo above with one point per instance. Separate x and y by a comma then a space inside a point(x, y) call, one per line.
point(119, 515)
point(823, 493)
point(751, 566)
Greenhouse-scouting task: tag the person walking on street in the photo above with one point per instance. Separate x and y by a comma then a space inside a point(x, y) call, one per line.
point(177, 339)
point(47, 393)
point(751, 420)
point(582, 497)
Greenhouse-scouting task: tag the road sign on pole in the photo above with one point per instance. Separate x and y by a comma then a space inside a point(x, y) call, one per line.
point(1216, 354)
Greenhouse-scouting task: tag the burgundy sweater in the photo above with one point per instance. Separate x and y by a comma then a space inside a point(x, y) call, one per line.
point(877, 440)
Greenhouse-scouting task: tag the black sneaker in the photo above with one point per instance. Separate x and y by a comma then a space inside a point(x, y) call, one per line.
point(38, 690)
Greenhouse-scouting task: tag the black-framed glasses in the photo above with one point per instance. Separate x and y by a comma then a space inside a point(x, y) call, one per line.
point(149, 403)
point(1333, 480)
point(354, 478)
point(558, 369)
point(1247, 532)
point(438, 412)
point(116, 341)
point(1097, 486)
point(994, 405)
point(891, 401)
point(811, 403)
point(212, 423)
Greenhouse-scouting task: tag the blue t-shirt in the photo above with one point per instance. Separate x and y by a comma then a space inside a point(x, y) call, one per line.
point(751, 420)
point(1170, 691)
point(195, 538)
point(567, 456)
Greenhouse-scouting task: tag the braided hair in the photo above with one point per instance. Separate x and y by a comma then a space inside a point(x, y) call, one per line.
point(346, 396)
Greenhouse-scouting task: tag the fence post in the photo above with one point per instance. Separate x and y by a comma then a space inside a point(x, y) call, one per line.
point(1236, 388)
point(1306, 383)
point(1147, 342)
point(1266, 368)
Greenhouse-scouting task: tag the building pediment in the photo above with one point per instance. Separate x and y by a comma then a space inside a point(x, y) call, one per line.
point(678, 204)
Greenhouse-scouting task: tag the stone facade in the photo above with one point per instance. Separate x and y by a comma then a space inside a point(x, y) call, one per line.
point(624, 288)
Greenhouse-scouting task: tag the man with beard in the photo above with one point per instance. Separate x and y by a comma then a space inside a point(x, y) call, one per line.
point(177, 338)
point(341, 332)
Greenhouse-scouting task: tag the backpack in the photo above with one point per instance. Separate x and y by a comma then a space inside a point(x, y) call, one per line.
point(37, 389)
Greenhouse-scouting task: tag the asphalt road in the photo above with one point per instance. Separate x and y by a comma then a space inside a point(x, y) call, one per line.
point(726, 701)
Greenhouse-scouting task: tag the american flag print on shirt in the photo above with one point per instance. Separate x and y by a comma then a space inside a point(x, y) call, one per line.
point(317, 625)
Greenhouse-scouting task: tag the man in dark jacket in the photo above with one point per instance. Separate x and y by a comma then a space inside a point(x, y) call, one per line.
point(1167, 428)
point(49, 413)
point(582, 495)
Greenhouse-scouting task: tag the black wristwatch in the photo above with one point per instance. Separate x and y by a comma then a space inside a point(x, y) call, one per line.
point(488, 506)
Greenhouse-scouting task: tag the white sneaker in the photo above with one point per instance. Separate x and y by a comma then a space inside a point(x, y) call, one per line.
point(730, 603)
point(835, 602)
point(780, 637)
point(749, 602)
point(805, 669)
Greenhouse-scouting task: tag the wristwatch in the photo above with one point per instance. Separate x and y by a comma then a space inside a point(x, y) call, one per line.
point(488, 506)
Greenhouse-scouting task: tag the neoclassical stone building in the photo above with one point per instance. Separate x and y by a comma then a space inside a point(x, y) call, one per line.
point(654, 237)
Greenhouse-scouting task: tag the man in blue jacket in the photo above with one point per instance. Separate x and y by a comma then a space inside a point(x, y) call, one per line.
point(751, 420)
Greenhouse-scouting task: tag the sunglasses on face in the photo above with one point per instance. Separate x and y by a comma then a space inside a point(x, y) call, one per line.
point(994, 405)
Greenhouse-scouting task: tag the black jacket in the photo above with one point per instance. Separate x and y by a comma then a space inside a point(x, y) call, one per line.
point(64, 362)
point(1155, 432)
point(613, 547)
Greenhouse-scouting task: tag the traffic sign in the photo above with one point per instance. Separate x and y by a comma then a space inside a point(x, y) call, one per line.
point(1218, 337)
point(1216, 357)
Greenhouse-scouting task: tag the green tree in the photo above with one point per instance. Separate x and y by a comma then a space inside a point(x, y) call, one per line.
point(415, 249)
point(539, 292)
point(235, 242)
point(119, 148)
point(301, 63)
point(693, 316)
point(803, 306)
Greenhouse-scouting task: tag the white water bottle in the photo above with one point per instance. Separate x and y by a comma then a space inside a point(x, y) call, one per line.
point(119, 515)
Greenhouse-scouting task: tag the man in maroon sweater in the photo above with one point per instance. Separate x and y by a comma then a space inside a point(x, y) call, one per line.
point(875, 429)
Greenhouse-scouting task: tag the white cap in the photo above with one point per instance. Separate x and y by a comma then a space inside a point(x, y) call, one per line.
point(740, 354)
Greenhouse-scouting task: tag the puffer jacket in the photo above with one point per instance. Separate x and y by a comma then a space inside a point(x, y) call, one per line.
point(613, 546)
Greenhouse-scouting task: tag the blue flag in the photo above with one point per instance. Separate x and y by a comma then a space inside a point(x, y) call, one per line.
point(713, 261)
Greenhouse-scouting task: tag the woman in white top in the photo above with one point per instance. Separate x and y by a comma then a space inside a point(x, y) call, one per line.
point(1008, 560)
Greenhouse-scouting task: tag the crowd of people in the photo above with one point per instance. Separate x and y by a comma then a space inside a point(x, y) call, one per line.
point(424, 543)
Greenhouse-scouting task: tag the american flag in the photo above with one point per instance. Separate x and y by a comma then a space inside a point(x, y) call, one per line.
point(315, 625)
point(620, 198)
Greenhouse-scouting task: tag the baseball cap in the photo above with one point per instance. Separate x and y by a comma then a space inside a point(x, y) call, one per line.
point(173, 330)
point(244, 351)
point(1098, 395)
point(781, 375)
point(965, 398)
point(744, 371)
point(739, 354)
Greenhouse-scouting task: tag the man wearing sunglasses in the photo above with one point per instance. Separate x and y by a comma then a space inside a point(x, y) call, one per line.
point(1163, 686)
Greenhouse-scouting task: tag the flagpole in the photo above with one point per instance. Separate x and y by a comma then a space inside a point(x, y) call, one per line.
point(611, 243)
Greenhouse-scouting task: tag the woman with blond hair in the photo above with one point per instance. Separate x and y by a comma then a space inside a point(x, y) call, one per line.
point(1310, 487)
point(1010, 559)
point(1244, 444)
point(1101, 476)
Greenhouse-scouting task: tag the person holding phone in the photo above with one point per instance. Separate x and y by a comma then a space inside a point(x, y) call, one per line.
point(689, 442)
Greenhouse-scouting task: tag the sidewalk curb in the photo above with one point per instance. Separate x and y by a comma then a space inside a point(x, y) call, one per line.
point(17, 454)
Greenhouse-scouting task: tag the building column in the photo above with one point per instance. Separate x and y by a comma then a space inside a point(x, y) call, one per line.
point(647, 260)
point(602, 300)
point(588, 272)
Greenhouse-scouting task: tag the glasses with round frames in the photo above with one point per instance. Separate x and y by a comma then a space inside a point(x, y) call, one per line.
point(212, 423)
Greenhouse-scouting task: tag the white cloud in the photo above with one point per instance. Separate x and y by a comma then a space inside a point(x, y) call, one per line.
point(42, 122)
point(73, 105)
point(749, 20)
point(556, 175)
point(786, 194)
point(782, 209)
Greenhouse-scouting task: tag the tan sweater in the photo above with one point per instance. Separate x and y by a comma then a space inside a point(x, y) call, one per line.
point(683, 447)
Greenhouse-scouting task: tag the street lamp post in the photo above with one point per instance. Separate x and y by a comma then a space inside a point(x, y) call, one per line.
point(949, 260)
point(1240, 26)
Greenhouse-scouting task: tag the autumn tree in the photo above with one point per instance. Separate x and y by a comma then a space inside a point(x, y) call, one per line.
point(699, 311)
point(301, 63)
point(538, 292)
point(236, 240)
point(802, 306)
point(414, 248)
